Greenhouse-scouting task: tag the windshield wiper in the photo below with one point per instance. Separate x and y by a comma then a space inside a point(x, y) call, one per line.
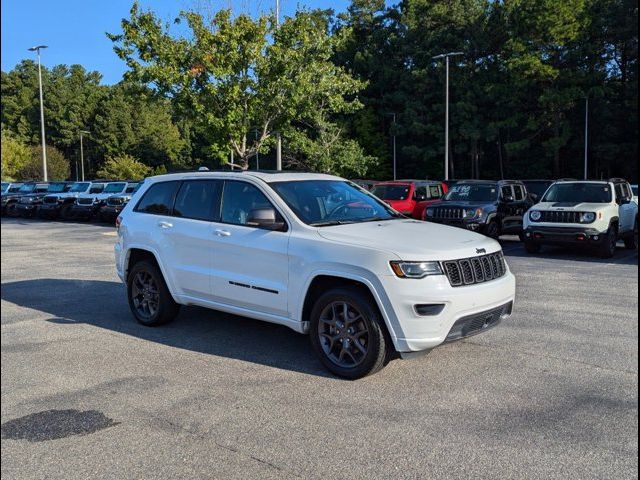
point(330, 223)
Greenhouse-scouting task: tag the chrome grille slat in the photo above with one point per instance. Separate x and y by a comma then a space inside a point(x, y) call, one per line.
point(471, 271)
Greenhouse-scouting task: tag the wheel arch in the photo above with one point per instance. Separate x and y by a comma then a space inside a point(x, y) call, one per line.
point(320, 282)
point(137, 253)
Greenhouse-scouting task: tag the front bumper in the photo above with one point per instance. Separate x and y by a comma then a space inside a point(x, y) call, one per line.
point(49, 209)
point(415, 332)
point(564, 235)
point(109, 211)
point(26, 209)
point(83, 211)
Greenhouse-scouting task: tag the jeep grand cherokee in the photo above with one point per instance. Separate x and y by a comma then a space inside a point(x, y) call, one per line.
point(313, 252)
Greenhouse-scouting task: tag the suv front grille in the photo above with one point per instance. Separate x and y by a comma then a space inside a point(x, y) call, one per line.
point(470, 271)
point(444, 213)
point(50, 199)
point(560, 217)
point(115, 201)
point(85, 201)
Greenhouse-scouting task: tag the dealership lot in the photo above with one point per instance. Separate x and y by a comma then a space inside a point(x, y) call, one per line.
point(551, 393)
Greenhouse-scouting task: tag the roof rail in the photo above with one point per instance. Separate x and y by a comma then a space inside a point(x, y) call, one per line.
point(617, 180)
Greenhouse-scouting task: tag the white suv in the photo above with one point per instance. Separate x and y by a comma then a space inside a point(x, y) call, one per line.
point(313, 252)
point(588, 213)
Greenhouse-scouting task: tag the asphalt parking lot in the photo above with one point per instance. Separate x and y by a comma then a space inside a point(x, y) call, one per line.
point(88, 393)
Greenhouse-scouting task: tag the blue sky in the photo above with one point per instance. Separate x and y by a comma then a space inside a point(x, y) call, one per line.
point(75, 30)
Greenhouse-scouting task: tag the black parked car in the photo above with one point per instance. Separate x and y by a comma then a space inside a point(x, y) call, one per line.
point(537, 188)
point(28, 205)
point(10, 199)
point(493, 208)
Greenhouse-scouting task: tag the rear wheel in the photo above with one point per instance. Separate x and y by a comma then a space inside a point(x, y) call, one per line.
point(609, 242)
point(149, 298)
point(631, 240)
point(347, 334)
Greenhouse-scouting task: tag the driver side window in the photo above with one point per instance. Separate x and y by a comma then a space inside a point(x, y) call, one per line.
point(239, 199)
point(507, 193)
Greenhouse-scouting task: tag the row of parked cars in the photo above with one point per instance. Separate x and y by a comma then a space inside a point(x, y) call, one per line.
point(97, 199)
point(540, 212)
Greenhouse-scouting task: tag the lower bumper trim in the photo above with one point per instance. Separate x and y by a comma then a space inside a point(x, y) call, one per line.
point(478, 322)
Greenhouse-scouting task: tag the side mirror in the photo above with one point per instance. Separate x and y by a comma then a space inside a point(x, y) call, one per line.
point(534, 197)
point(265, 218)
point(509, 199)
point(419, 197)
point(625, 201)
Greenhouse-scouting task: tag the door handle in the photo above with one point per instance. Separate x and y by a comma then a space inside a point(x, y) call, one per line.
point(223, 233)
point(165, 224)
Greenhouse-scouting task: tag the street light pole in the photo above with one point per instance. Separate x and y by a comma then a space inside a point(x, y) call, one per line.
point(446, 56)
point(44, 146)
point(393, 115)
point(586, 137)
point(279, 137)
point(82, 152)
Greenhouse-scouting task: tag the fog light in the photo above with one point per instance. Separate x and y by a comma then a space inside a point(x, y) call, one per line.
point(429, 309)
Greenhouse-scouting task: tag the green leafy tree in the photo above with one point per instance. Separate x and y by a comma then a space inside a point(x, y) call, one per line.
point(57, 165)
point(15, 155)
point(124, 167)
point(235, 76)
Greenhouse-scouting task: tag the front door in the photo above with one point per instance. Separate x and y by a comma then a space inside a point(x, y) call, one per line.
point(250, 263)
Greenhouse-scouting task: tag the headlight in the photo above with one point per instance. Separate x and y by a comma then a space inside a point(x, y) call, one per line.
point(588, 217)
point(472, 212)
point(430, 212)
point(535, 215)
point(416, 269)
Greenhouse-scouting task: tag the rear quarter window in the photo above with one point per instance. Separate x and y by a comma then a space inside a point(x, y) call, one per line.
point(158, 200)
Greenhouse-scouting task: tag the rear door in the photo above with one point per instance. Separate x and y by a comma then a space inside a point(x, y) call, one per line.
point(189, 239)
point(250, 263)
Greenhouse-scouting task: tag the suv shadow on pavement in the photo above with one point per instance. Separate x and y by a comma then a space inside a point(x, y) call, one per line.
point(102, 304)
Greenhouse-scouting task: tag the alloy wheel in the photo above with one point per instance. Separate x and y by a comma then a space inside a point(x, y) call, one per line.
point(343, 334)
point(145, 294)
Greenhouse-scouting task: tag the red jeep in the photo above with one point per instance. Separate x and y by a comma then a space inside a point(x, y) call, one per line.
point(410, 197)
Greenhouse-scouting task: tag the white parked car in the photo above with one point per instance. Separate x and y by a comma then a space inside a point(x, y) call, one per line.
point(313, 252)
point(587, 213)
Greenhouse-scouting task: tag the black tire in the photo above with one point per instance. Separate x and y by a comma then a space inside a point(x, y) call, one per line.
point(370, 333)
point(631, 240)
point(12, 210)
point(65, 212)
point(493, 230)
point(166, 309)
point(532, 247)
point(609, 242)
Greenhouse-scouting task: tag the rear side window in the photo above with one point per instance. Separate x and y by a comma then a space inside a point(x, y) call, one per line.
point(199, 200)
point(435, 191)
point(619, 193)
point(506, 192)
point(421, 193)
point(158, 200)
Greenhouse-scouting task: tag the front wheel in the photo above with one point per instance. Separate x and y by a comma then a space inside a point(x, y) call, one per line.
point(347, 333)
point(493, 230)
point(149, 298)
point(609, 243)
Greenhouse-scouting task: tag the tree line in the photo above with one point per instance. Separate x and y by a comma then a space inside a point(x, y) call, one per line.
point(212, 89)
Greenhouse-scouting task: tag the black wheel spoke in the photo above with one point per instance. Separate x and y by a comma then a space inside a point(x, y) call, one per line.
point(343, 334)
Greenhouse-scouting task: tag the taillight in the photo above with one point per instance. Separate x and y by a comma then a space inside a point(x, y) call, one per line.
point(118, 222)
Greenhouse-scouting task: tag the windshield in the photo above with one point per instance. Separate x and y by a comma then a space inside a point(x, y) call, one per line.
point(537, 188)
point(332, 202)
point(79, 187)
point(27, 188)
point(391, 192)
point(114, 187)
point(56, 187)
point(472, 193)
point(578, 193)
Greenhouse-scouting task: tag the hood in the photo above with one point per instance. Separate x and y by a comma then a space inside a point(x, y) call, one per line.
point(412, 239)
point(97, 196)
point(570, 207)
